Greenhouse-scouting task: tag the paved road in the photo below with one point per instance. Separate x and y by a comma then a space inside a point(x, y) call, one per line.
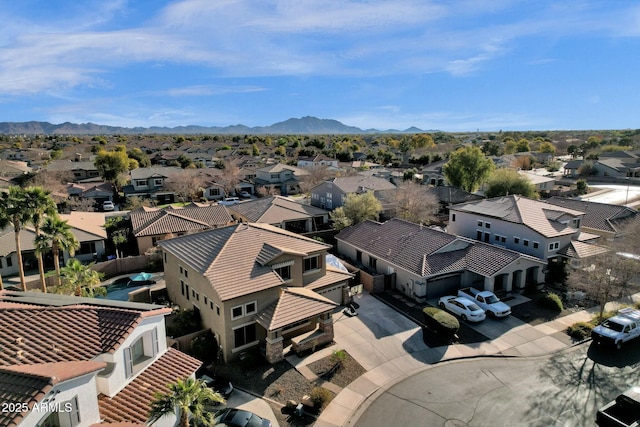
point(564, 389)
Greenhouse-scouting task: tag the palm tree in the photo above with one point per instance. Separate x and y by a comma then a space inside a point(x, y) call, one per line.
point(81, 280)
point(14, 209)
point(187, 398)
point(58, 234)
point(39, 204)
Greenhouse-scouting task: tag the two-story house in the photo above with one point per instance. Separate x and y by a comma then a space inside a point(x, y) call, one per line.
point(150, 182)
point(518, 223)
point(255, 285)
point(332, 193)
point(99, 363)
point(425, 263)
point(81, 170)
point(280, 177)
point(317, 161)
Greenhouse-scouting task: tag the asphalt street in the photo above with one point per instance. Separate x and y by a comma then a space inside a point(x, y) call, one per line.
point(563, 389)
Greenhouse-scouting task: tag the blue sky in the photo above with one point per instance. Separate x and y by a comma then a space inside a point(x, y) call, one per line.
point(456, 65)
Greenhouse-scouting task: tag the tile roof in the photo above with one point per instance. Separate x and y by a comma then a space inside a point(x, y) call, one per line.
point(160, 172)
point(599, 216)
point(539, 216)
point(176, 220)
point(332, 276)
point(228, 256)
point(132, 403)
point(358, 183)
point(274, 210)
point(579, 250)
point(427, 252)
point(294, 304)
point(104, 329)
point(279, 167)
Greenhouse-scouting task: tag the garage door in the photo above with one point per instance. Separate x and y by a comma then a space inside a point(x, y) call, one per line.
point(333, 293)
point(441, 286)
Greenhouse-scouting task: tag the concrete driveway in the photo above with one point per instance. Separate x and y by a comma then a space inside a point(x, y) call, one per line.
point(241, 400)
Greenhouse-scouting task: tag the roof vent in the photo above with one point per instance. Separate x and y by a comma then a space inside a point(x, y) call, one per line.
point(20, 340)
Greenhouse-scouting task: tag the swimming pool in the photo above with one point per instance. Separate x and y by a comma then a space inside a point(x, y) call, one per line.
point(119, 289)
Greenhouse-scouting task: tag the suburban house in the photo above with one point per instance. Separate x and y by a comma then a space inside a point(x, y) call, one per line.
point(520, 224)
point(256, 286)
point(150, 225)
point(317, 161)
point(87, 227)
point(618, 164)
point(571, 169)
point(606, 220)
point(281, 212)
point(425, 263)
point(432, 173)
point(99, 363)
point(280, 177)
point(13, 168)
point(95, 191)
point(150, 183)
point(80, 170)
point(543, 181)
point(332, 193)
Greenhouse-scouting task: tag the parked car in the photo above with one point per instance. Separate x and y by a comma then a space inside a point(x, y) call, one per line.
point(624, 411)
point(245, 195)
point(463, 307)
point(229, 201)
point(220, 384)
point(487, 300)
point(232, 417)
point(108, 205)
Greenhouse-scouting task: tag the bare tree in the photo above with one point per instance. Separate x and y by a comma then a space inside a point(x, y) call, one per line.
point(268, 191)
point(317, 174)
point(229, 178)
point(55, 182)
point(416, 203)
point(187, 187)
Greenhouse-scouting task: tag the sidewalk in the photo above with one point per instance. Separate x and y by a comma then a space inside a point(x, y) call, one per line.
point(390, 347)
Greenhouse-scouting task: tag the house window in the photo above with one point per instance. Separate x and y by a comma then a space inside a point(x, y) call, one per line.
point(516, 240)
point(157, 182)
point(165, 257)
point(9, 262)
point(373, 262)
point(141, 182)
point(478, 235)
point(284, 272)
point(275, 176)
point(186, 273)
point(62, 414)
point(453, 217)
point(250, 308)
point(142, 350)
point(359, 256)
point(525, 242)
point(186, 291)
point(535, 245)
point(487, 225)
point(244, 335)
point(236, 312)
point(311, 263)
point(211, 305)
point(182, 285)
point(218, 310)
point(214, 192)
point(87, 248)
point(479, 223)
point(206, 300)
point(181, 270)
point(553, 246)
point(329, 195)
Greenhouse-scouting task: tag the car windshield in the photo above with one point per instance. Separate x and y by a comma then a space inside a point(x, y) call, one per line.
point(491, 299)
point(254, 421)
point(613, 325)
point(473, 307)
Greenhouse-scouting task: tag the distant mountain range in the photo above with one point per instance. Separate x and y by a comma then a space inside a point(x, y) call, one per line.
point(305, 125)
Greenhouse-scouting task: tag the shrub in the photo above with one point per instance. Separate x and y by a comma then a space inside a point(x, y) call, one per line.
point(580, 330)
point(440, 321)
point(320, 397)
point(552, 301)
point(338, 357)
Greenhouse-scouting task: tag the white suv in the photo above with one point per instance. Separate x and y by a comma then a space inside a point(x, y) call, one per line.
point(229, 201)
point(107, 205)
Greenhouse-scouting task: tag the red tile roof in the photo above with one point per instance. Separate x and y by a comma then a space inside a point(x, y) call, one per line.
point(132, 404)
point(28, 384)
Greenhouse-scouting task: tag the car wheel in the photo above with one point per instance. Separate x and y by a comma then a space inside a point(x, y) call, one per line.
point(464, 317)
point(441, 305)
point(619, 345)
point(491, 314)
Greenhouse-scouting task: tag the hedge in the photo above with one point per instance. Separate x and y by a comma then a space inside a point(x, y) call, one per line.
point(440, 321)
point(552, 301)
point(580, 330)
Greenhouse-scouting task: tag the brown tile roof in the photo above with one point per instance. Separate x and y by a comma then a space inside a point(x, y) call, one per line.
point(331, 277)
point(30, 383)
point(539, 216)
point(178, 220)
point(355, 184)
point(229, 256)
point(274, 210)
point(599, 216)
point(581, 250)
point(132, 403)
point(425, 251)
point(294, 304)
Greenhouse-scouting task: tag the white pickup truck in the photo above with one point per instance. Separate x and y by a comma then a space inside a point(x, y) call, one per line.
point(487, 300)
point(619, 329)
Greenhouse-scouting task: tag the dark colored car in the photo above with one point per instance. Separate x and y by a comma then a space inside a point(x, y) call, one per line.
point(220, 384)
point(232, 417)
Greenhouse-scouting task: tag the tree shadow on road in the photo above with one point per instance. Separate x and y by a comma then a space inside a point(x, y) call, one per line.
point(581, 384)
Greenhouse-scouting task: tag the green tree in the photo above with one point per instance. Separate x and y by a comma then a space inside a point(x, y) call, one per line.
point(505, 181)
point(39, 204)
point(112, 163)
point(57, 233)
point(582, 187)
point(14, 209)
point(255, 150)
point(81, 280)
point(140, 157)
point(188, 398)
point(547, 147)
point(356, 208)
point(467, 168)
point(522, 146)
